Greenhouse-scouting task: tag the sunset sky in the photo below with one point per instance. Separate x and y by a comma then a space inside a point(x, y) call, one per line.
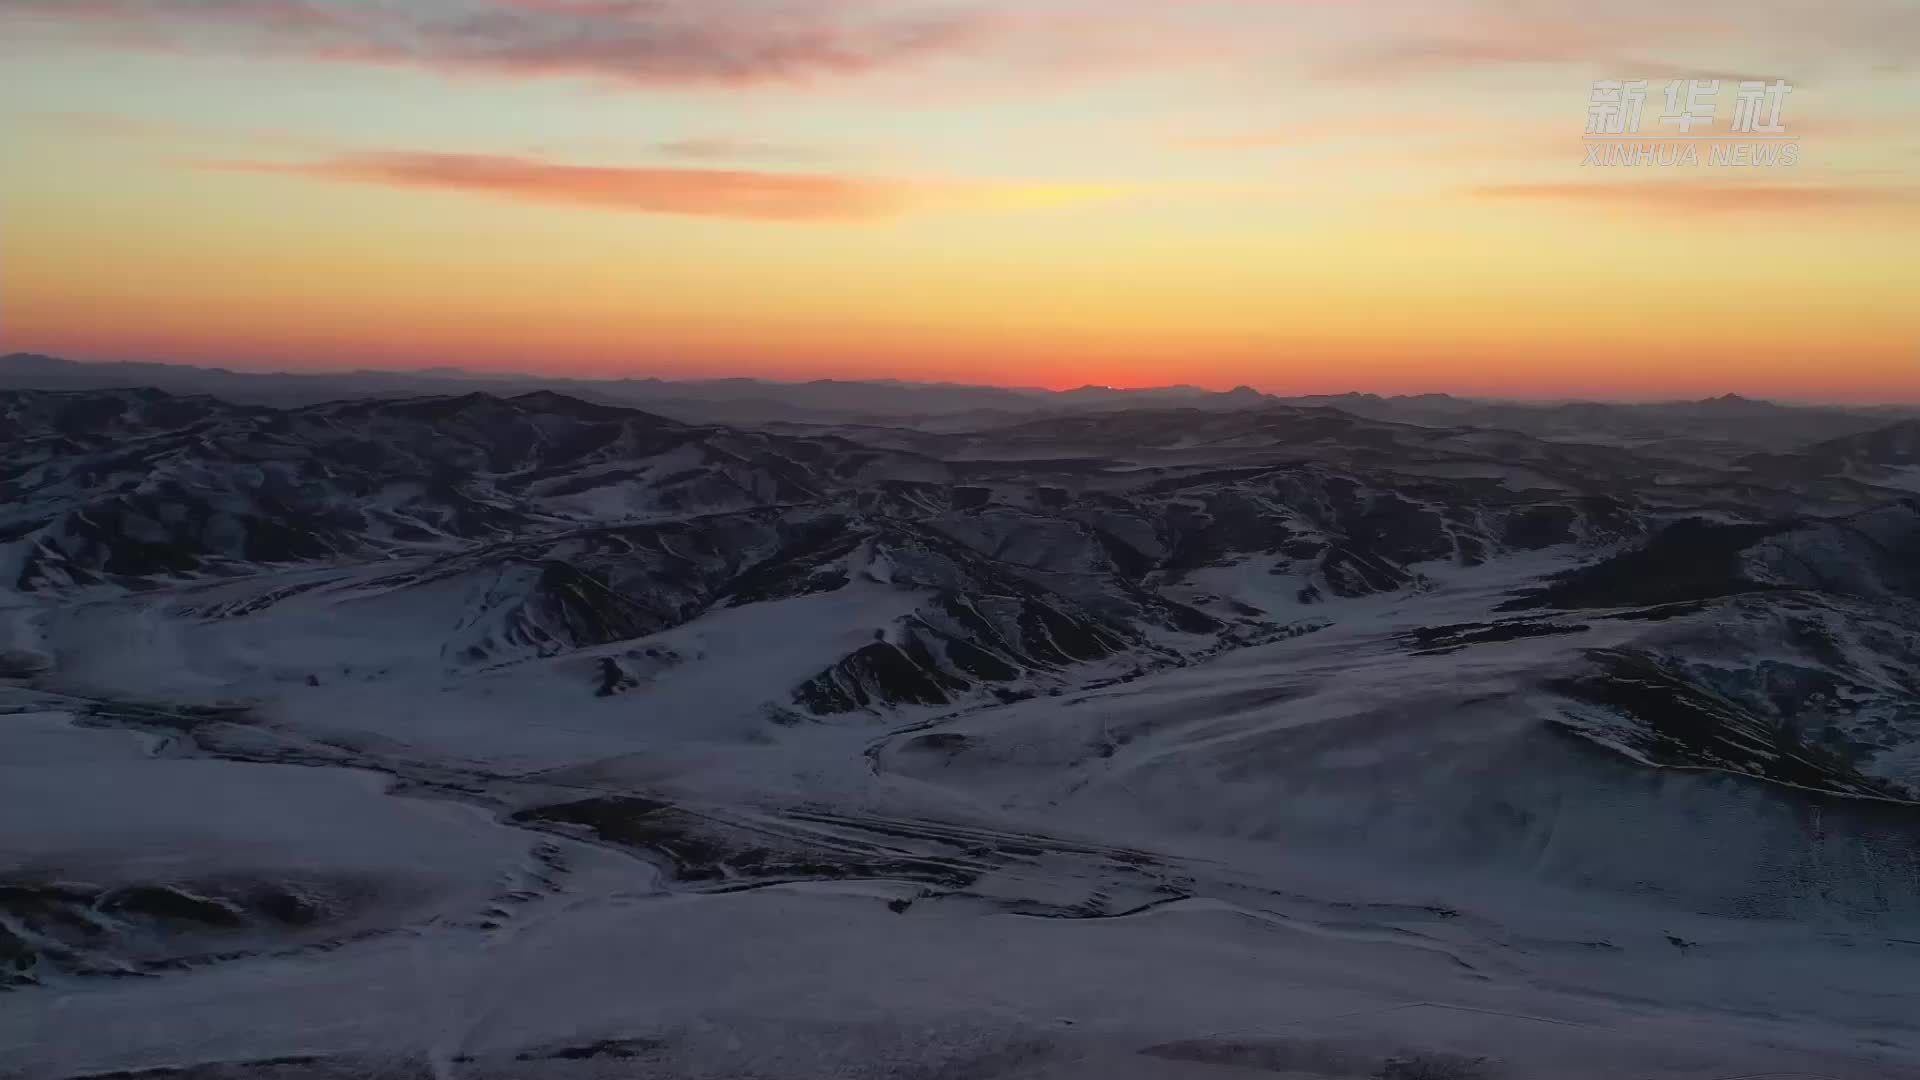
point(1300, 195)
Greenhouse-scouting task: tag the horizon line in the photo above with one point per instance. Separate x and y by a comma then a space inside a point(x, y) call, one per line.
point(455, 373)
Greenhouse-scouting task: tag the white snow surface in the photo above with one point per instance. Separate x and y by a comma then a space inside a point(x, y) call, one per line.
point(1297, 859)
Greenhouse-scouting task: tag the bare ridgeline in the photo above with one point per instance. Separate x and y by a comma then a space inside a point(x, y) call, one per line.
point(396, 726)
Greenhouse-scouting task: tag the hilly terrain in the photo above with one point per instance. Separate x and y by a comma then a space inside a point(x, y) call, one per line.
point(489, 734)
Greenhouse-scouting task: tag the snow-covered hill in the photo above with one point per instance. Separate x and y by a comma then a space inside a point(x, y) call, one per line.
point(532, 737)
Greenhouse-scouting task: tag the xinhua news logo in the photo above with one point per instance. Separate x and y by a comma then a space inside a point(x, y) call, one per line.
point(1687, 135)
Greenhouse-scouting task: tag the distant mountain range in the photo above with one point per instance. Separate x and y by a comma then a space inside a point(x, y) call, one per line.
point(730, 400)
point(1702, 425)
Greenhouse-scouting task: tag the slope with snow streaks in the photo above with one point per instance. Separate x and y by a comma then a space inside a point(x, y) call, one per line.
point(1780, 651)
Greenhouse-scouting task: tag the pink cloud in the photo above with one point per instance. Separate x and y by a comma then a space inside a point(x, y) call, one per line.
point(643, 42)
point(717, 193)
point(727, 193)
point(1724, 39)
point(1716, 197)
point(1023, 43)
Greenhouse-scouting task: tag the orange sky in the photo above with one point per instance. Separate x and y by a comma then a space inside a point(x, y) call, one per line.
point(1297, 195)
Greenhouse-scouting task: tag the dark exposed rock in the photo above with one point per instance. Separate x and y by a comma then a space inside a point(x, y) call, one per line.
point(1681, 720)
